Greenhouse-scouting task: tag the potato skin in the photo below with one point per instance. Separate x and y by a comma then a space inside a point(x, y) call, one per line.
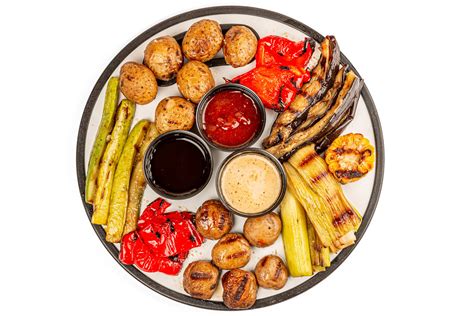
point(203, 40)
point(194, 80)
point(213, 220)
point(174, 113)
point(271, 272)
point(231, 251)
point(138, 83)
point(163, 56)
point(200, 279)
point(262, 231)
point(240, 46)
point(240, 289)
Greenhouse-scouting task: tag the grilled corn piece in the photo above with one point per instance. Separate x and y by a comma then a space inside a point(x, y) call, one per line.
point(295, 236)
point(105, 127)
point(350, 157)
point(320, 258)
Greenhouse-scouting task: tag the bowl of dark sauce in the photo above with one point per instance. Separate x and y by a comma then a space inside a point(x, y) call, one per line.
point(178, 165)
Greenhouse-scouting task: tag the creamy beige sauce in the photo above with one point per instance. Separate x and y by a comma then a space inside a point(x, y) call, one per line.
point(250, 183)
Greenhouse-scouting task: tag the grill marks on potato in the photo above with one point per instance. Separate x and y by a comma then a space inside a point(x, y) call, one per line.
point(231, 251)
point(236, 255)
point(213, 219)
point(271, 272)
point(241, 288)
point(200, 279)
point(200, 276)
point(230, 239)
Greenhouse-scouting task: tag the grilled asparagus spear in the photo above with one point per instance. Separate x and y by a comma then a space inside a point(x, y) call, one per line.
point(105, 127)
point(109, 161)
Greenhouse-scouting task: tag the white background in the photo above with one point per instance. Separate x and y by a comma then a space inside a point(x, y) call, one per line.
point(416, 256)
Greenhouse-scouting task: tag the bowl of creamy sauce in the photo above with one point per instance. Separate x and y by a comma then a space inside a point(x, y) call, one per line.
point(251, 182)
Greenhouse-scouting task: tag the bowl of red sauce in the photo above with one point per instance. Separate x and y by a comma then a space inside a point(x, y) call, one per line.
point(230, 117)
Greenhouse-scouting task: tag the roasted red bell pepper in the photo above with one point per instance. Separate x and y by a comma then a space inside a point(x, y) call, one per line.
point(280, 72)
point(161, 241)
point(276, 50)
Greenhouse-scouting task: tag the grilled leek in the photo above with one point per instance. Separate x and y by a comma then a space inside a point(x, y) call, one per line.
point(295, 236)
point(320, 258)
point(315, 172)
point(333, 217)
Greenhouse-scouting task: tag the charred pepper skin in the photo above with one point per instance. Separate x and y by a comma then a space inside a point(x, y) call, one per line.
point(280, 71)
point(162, 240)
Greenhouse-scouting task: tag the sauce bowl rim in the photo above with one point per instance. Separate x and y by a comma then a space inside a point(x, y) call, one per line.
point(204, 102)
point(147, 161)
point(267, 155)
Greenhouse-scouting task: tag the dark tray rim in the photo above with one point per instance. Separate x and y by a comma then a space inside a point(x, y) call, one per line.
point(81, 140)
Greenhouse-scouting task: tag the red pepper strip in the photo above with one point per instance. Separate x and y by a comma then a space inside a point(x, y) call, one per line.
point(135, 251)
point(127, 247)
point(273, 84)
point(276, 50)
point(153, 209)
point(162, 240)
point(280, 72)
point(170, 234)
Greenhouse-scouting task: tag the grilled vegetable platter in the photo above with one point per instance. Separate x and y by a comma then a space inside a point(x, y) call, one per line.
point(230, 157)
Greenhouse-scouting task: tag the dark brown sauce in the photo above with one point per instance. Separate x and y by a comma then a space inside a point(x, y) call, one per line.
point(179, 165)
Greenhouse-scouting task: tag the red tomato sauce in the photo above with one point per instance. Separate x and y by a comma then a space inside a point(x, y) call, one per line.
point(231, 118)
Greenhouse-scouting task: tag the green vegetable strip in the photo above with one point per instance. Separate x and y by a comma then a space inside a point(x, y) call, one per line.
point(138, 183)
point(295, 236)
point(121, 183)
point(105, 127)
point(109, 161)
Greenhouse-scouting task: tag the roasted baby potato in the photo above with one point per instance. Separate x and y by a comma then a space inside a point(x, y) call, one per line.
point(174, 113)
point(163, 56)
point(262, 231)
point(194, 80)
point(240, 289)
point(231, 251)
point(200, 279)
point(271, 272)
point(203, 40)
point(213, 220)
point(240, 46)
point(138, 83)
